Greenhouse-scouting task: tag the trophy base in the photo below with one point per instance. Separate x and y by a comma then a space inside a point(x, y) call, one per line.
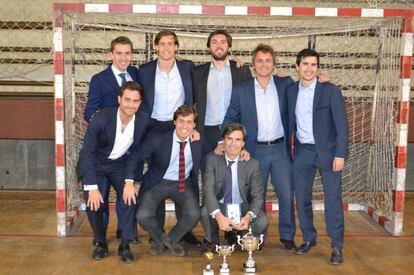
point(247, 269)
point(208, 272)
point(224, 271)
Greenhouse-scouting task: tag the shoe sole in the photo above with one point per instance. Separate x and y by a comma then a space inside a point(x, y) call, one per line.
point(100, 258)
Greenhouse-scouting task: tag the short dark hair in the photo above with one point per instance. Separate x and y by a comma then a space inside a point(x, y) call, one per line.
point(121, 40)
point(264, 48)
point(163, 33)
point(217, 32)
point(132, 86)
point(307, 53)
point(234, 127)
point(185, 110)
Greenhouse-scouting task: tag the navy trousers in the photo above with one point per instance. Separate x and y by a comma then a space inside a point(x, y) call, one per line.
point(305, 164)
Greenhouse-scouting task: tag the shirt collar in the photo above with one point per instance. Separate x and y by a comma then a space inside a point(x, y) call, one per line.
point(227, 64)
point(173, 69)
point(235, 160)
point(312, 86)
point(257, 84)
point(116, 71)
point(176, 139)
point(118, 119)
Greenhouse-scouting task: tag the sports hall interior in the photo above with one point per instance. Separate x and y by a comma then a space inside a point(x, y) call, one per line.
point(29, 239)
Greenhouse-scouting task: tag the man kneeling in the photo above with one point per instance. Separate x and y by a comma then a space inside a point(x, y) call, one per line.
point(172, 173)
point(232, 192)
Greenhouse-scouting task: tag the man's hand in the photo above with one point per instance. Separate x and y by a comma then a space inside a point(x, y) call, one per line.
point(94, 199)
point(219, 149)
point(244, 223)
point(338, 164)
point(239, 62)
point(195, 135)
point(130, 193)
point(324, 78)
point(244, 155)
point(224, 223)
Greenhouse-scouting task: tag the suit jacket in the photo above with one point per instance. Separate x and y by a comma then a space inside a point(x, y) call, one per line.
point(158, 149)
point(242, 108)
point(104, 90)
point(99, 141)
point(200, 78)
point(248, 177)
point(330, 123)
point(146, 77)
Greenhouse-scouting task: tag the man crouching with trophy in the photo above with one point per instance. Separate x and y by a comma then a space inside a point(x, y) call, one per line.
point(232, 192)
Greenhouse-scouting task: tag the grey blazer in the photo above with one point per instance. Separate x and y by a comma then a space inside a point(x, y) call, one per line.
point(251, 190)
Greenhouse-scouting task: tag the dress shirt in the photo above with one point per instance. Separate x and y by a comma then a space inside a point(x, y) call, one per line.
point(270, 125)
point(118, 78)
point(219, 85)
point(169, 94)
point(304, 113)
point(172, 171)
point(123, 140)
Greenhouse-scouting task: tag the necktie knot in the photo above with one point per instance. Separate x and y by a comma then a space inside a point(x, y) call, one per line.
point(123, 77)
point(230, 163)
point(182, 144)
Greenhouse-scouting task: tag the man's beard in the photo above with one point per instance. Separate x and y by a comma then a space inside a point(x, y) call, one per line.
point(220, 58)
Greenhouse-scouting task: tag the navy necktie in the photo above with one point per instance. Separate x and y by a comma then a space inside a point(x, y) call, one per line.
point(228, 185)
point(123, 77)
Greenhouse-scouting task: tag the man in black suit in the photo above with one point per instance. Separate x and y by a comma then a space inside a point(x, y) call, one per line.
point(109, 136)
point(229, 181)
point(213, 82)
point(172, 173)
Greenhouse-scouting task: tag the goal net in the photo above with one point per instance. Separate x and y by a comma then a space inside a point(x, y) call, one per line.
point(361, 56)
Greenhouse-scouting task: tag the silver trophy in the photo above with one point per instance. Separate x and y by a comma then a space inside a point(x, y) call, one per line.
point(250, 243)
point(225, 251)
point(208, 270)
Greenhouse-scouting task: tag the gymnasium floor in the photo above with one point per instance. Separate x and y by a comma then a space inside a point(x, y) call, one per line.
point(28, 245)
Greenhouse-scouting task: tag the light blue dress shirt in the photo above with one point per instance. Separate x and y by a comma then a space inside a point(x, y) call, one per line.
point(173, 167)
point(219, 86)
point(169, 94)
point(270, 125)
point(304, 113)
point(118, 78)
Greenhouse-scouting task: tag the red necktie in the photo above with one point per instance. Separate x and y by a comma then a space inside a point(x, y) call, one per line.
point(181, 168)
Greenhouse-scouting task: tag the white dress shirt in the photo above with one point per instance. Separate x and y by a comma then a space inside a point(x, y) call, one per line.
point(304, 113)
point(173, 167)
point(118, 78)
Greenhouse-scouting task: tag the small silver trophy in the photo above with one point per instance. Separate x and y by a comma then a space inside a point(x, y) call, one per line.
point(225, 251)
point(208, 270)
point(250, 243)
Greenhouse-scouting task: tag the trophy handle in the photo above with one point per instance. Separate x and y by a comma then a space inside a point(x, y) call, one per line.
point(232, 249)
point(239, 241)
point(261, 240)
point(217, 249)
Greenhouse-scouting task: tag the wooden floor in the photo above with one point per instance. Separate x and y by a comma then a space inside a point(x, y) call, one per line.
point(28, 245)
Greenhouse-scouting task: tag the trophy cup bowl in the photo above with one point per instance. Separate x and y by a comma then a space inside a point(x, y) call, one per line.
point(225, 251)
point(250, 243)
point(209, 257)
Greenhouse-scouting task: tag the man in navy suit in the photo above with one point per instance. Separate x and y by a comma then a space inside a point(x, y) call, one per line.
point(102, 160)
point(260, 105)
point(167, 82)
point(104, 91)
point(317, 118)
point(213, 82)
point(172, 172)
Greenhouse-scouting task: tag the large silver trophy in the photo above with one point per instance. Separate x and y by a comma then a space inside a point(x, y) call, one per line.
point(208, 270)
point(225, 251)
point(250, 243)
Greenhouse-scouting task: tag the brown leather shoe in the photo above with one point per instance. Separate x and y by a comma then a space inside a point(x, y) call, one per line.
point(175, 248)
point(156, 248)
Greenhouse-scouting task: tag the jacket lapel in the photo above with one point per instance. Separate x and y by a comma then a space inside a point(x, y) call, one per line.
point(280, 95)
point(149, 91)
point(111, 77)
point(111, 128)
point(251, 101)
point(241, 177)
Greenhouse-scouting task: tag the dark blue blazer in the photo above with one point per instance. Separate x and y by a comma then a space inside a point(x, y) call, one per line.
point(146, 77)
point(158, 148)
point(330, 123)
point(99, 141)
point(104, 91)
point(242, 108)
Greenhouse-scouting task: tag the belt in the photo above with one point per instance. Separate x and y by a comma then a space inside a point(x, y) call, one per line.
point(270, 142)
point(213, 126)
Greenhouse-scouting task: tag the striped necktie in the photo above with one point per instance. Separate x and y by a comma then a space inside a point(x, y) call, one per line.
point(181, 168)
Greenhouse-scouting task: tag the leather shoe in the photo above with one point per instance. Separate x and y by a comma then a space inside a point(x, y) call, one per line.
point(175, 248)
point(305, 247)
point(207, 246)
point(156, 248)
point(289, 245)
point(231, 237)
point(101, 251)
point(190, 239)
point(336, 256)
point(125, 253)
point(135, 241)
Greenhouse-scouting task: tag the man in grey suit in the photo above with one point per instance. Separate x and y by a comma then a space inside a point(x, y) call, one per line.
point(230, 182)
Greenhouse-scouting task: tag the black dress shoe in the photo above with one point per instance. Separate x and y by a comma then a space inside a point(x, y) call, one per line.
point(336, 256)
point(289, 245)
point(190, 239)
point(94, 242)
point(118, 233)
point(305, 247)
point(101, 251)
point(207, 246)
point(125, 253)
point(231, 237)
point(135, 241)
